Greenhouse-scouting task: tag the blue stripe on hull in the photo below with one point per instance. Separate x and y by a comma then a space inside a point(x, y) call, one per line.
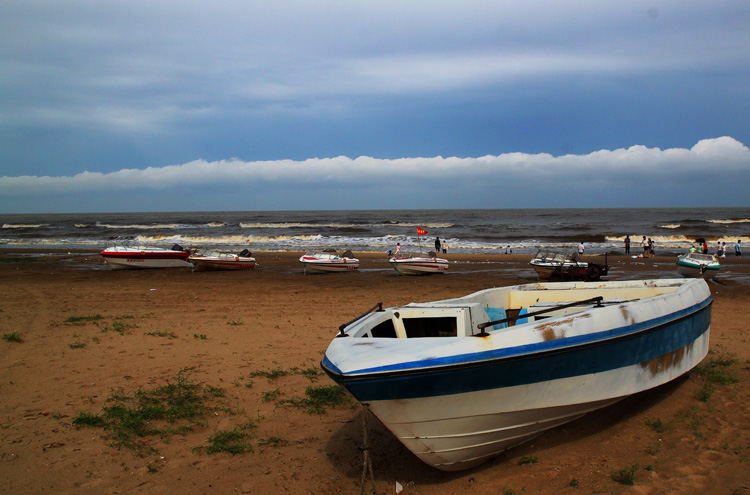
point(594, 357)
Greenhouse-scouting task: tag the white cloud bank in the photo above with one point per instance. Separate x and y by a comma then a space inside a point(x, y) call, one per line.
point(646, 165)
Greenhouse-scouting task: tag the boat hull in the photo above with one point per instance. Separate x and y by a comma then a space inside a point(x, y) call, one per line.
point(208, 264)
point(697, 270)
point(328, 264)
point(146, 259)
point(419, 266)
point(456, 408)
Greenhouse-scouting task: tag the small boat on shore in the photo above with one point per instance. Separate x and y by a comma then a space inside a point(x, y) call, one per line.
point(406, 264)
point(328, 262)
point(566, 267)
point(698, 265)
point(204, 259)
point(127, 253)
point(460, 380)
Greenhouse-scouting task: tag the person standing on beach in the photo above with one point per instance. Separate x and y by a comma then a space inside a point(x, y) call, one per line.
point(445, 247)
point(705, 247)
point(398, 248)
point(581, 248)
point(508, 250)
point(737, 251)
point(644, 245)
point(651, 247)
point(437, 245)
point(627, 244)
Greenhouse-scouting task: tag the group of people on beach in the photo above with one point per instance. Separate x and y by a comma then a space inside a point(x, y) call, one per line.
point(702, 247)
point(721, 249)
point(648, 246)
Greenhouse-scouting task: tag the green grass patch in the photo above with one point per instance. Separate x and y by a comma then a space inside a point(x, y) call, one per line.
point(525, 460)
point(658, 425)
point(271, 375)
point(175, 408)
point(82, 320)
point(272, 442)
point(236, 323)
point(234, 441)
point(89, 420)
point(201, 336)
point(271, 395)
point(717, 371)
point(318, 398)
point(312, 373)
point(120, 326)
point(162, 333)
point(625, 476)
point(77, 345)
point(12, 337)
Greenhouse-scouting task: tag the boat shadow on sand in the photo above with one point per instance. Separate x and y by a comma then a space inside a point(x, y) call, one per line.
point(392, 461)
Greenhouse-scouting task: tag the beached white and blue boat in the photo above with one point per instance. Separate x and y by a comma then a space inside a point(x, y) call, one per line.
point(698, 265)
point(459, 381)
point(328, 262)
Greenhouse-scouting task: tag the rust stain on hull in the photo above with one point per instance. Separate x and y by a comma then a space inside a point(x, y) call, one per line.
point(669, 360)
point(556, 329)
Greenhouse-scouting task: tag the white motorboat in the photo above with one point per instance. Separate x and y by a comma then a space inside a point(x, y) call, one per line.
point(459, 381)
point(127, 253)
point(204, 259)
point(698, 265)
point(557, 266)
point(328, 262)
point(406, 264)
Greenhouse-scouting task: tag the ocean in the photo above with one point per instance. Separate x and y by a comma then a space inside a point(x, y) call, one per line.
point(465, 231)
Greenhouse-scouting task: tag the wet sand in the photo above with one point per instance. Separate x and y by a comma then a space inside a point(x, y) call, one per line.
point(230, 327)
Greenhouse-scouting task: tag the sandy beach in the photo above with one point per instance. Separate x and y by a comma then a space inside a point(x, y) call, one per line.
point(89, 334)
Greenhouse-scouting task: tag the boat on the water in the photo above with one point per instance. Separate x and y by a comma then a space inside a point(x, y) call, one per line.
point(566, 267)
point(460, 380)
point(205, 259)
point(127, 253)
point(698, 265)
point(406, 264)
point(328, 262)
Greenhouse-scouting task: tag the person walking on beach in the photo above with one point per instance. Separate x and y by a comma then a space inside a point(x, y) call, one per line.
point(627, 244)
point(737, 251)
point(723, 249)
point(644, 245)
point(508, 250)
point(437, 245)
point(705, 247)
point(398, 248)
point(651, 247)
point(445, 247)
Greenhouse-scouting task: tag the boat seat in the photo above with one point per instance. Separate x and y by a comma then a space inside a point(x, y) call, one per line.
point(495, 314)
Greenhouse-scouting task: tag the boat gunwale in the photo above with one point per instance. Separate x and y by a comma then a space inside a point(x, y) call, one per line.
point(546, 348)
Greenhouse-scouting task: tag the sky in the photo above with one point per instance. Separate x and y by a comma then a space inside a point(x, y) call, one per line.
point(299, 105)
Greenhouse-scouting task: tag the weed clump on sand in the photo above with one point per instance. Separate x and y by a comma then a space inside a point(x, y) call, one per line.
point(232, 441)
point(658, 425)
point(175, 408)
point(317, 398)
point(716, 372)
point(625, 476)
point(13, 337)
point(82, 320)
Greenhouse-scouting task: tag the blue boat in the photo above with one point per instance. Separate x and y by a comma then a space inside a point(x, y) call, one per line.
point(459, 381)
